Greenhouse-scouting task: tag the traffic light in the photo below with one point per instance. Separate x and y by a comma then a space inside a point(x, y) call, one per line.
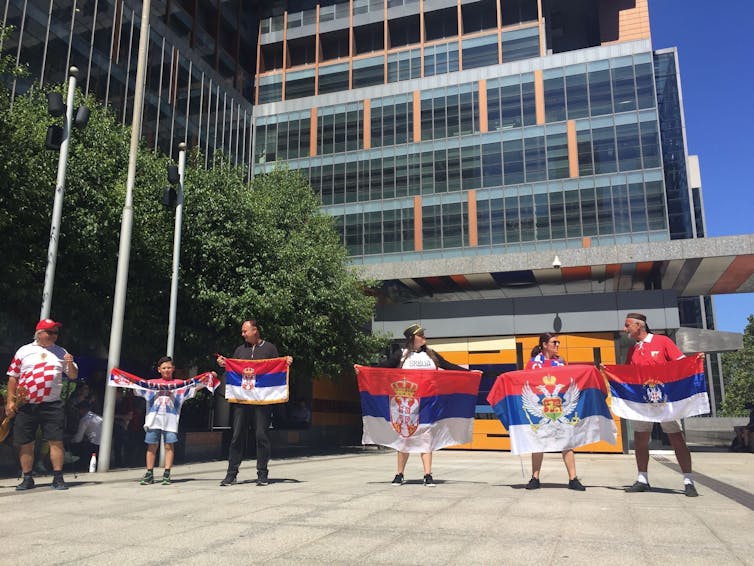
point(170, 196)
point(57, 108)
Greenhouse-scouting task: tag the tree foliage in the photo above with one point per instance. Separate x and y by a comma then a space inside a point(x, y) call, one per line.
point(89, 231)
point(263, 250)
point(738, 369)
point(270, 253)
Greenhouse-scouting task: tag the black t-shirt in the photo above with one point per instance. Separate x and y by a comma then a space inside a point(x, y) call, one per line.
point(262, 350)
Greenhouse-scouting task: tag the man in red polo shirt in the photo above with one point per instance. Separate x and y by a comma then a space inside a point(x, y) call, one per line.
point(654, 349)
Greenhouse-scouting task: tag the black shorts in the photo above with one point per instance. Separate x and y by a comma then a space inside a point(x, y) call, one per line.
point(50, 416)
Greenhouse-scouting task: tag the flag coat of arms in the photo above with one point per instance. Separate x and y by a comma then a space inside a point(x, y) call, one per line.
point(658, 393)
point(553, 408)
point(256, 382)
point(417, 410)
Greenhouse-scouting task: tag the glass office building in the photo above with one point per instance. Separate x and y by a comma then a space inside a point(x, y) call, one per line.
point(199, 78)
point(447, 129)
point(439, 132)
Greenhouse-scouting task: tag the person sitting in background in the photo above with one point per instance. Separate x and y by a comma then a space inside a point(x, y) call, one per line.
point(86, 441)
point(300, 415)
point(123, 413)
point(742, 442)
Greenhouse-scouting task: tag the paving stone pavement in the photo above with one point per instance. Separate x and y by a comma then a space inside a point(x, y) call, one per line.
point(342, 509)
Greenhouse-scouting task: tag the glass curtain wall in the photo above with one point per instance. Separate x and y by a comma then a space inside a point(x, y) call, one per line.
point(195, 81)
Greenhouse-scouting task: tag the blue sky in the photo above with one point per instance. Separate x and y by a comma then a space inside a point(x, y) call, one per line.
point(715, 46)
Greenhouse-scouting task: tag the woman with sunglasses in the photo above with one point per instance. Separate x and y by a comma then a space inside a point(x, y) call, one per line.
point(417, 355)
point(545, 354)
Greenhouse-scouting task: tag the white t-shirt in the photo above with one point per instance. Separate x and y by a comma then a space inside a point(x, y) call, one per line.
point(90, 426)
point(418, 360)
point(39, 370)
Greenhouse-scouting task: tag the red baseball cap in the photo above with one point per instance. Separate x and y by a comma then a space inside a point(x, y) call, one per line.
point(48, 324)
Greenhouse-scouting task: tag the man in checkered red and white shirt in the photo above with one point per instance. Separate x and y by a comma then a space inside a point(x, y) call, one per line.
point(38, 368)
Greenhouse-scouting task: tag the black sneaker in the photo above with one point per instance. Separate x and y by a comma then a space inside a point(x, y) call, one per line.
point(575, 484)
point(262, 478)
point(26, 483)
point(166, 477)
point(398, 479)
point(688, 489)
point(59, 484)
point(148, 478)
point(638, 487)
point(428, 481)
point(230, 479)
point(533, 483)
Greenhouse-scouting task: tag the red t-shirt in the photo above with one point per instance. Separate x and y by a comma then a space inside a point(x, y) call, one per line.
point(655, 349)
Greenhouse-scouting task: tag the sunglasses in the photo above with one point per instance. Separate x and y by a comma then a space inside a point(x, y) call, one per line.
point(52, 331)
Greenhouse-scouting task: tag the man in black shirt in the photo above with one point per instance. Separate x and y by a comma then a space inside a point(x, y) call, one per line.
point(253, 348)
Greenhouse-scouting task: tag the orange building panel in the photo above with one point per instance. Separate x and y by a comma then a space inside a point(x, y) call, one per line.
point(539, 96)
point(483, 106)
point(313, 133)
point(503, 357)
point(573, 151)
point(417, 115)
point(418, 237)
point(737, 273)
point(471, 196)
point(458, 358)
point(366, 127)
point(624, 21)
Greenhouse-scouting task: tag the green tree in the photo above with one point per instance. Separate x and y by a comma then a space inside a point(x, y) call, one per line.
point(269, 252)
point(263, 250)
point(89, 231)
point(738, 369)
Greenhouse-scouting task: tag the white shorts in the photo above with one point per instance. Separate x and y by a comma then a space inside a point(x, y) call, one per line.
point(668, 427)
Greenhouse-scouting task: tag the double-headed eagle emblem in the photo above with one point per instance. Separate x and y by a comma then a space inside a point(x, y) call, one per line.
point(554, 407)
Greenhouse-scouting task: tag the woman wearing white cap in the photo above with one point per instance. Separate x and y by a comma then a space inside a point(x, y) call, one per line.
point(416, 355)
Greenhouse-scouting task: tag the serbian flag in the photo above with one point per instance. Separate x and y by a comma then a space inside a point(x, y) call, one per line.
point(657, 393)
point(256, 382)
point(415, 410)
point(552, 409)
point(120, 378)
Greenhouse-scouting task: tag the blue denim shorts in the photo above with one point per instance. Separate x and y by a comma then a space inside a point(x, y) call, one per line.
point(152, 436)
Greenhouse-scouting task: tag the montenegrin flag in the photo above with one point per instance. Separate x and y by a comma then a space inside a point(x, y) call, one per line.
point(552, 409)
point(120, 378)
point(657, 393)
point(256, 382)
point(417, 410)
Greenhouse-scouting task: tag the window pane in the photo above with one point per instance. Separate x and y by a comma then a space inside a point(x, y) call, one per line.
point(557, 156)
point(513, 162)
point(624, 92)
point(577, 96)
point(603, 140)
point(650, 144)
point(492, 165)
point(629, 152)
point(600, 98)
point(536, 168)
point(555, 108)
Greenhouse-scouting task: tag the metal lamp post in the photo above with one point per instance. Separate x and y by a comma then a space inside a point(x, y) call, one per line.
point(170, 351)
point(176, 248)
point(57, 208)
point(126, 226)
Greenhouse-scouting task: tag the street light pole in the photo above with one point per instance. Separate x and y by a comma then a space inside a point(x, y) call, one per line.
point(57, 208)
point(176, 248)
point(176, 263)
point(126, 225)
